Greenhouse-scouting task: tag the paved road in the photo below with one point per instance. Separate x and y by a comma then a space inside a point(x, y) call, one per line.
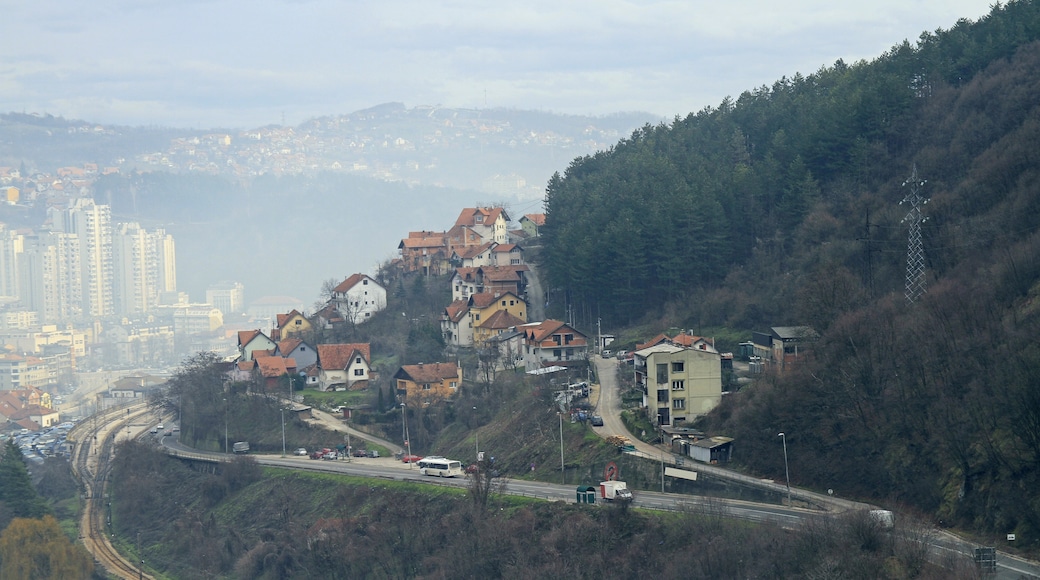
point(608, 405)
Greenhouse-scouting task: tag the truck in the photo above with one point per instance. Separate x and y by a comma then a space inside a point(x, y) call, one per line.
point(614, 490)
point(240, 447)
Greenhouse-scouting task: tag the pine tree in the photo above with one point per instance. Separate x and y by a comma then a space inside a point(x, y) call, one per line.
point(16, 490)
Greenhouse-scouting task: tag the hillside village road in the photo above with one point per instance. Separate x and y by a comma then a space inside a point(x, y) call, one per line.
point(332, 423)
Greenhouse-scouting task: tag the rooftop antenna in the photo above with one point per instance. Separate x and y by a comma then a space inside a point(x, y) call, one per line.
point(914, 248)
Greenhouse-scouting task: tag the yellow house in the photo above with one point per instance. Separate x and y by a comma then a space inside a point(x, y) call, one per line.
point(290, 325)
point(483, 311)
point(12, 194)
point(426, 383)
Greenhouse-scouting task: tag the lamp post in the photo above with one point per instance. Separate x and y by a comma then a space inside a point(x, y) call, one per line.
point(787, 472)
point(226, 405)
point(407, 443)
point(476, 434)
point(563, 473)
point(283, 432)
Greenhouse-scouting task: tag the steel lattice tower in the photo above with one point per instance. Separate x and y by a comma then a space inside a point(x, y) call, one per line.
point(914, 247)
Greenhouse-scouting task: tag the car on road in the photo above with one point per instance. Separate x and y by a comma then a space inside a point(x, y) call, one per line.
point(301, 451)
point(596, 420)
point(410, 458)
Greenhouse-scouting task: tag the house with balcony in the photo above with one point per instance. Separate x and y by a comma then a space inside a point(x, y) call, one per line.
point(553, 343)
point(424, 252)
point(678, 383)
point(463, 283)
point(427, 383)
point(491, 223)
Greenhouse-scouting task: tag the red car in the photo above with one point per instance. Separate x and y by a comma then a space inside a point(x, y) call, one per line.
point(410, 458)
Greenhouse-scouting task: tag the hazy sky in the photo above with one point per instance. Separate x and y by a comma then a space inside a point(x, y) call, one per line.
point(246, 63)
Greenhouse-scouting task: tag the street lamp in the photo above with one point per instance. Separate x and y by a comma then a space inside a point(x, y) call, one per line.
point(476, 434)
point(563, 474)
point(226, 405)
point(283, 432)
point(787, 472)
point(404, 427)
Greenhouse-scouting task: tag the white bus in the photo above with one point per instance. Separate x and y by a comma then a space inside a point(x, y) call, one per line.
point(440, 466)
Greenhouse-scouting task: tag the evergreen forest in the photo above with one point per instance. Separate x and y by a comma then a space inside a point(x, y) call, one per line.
point(782, 208)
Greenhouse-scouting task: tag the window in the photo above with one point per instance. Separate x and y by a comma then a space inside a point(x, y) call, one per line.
point(454, 384)
point(662, 396)
point(677, 367)
point(426, 386)
point(359, 372)
point(357, 360)
point(678, 385)
point(568, 338)
point(662, 374)
point(557, 353)
point(365, 282)
point(678, 403)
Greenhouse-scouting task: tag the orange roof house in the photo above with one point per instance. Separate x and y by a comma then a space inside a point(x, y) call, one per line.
point(426, 383)
point(270, 371)
point(344, 366)
point(292, 323)
point(424, 252)
point(552, 342)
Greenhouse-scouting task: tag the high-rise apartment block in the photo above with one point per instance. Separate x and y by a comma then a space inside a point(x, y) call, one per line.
point(83, 266)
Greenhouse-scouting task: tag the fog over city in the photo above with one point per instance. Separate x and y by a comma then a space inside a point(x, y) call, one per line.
point(323, 132)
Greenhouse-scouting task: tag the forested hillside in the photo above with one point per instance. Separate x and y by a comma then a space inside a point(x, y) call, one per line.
point(782, 207)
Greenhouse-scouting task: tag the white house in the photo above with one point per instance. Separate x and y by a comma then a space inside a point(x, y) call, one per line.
point(344, 366)
point(358, 297)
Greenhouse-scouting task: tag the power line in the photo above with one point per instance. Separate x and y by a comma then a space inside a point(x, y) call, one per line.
point(914, 247)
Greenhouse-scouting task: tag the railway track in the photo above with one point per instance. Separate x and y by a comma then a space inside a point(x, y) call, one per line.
point(92, 464)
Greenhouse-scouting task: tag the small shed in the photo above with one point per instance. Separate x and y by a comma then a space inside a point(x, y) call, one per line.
point(586, 494)
point(712, 450)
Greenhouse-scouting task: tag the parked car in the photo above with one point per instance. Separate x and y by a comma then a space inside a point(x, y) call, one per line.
point(301, 451)
point(360, 453)
point(597, 421)
point(373, 453)
point(330, 456)
point(410, 458)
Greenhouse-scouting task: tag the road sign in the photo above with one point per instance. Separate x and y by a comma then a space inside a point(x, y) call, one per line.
point(986, 559)
point(611, 471)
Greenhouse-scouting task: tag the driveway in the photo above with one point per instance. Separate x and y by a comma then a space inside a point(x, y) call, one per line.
point(333, 423)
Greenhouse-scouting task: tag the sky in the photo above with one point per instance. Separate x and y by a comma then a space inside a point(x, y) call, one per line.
point(248, 63)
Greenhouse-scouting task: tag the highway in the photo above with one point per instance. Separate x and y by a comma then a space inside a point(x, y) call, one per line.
point(941, 542)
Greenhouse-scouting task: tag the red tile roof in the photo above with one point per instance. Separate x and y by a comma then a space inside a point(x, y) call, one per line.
point(457, 310)
point(428, 372)
point(338, 356)
point(501, 320)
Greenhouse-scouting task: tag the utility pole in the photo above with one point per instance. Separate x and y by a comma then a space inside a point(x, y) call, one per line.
point(914, 247)
point(563, 472)
point(787, 472)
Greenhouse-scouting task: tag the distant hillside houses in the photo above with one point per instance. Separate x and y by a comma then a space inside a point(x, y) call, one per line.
point(480, 237)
